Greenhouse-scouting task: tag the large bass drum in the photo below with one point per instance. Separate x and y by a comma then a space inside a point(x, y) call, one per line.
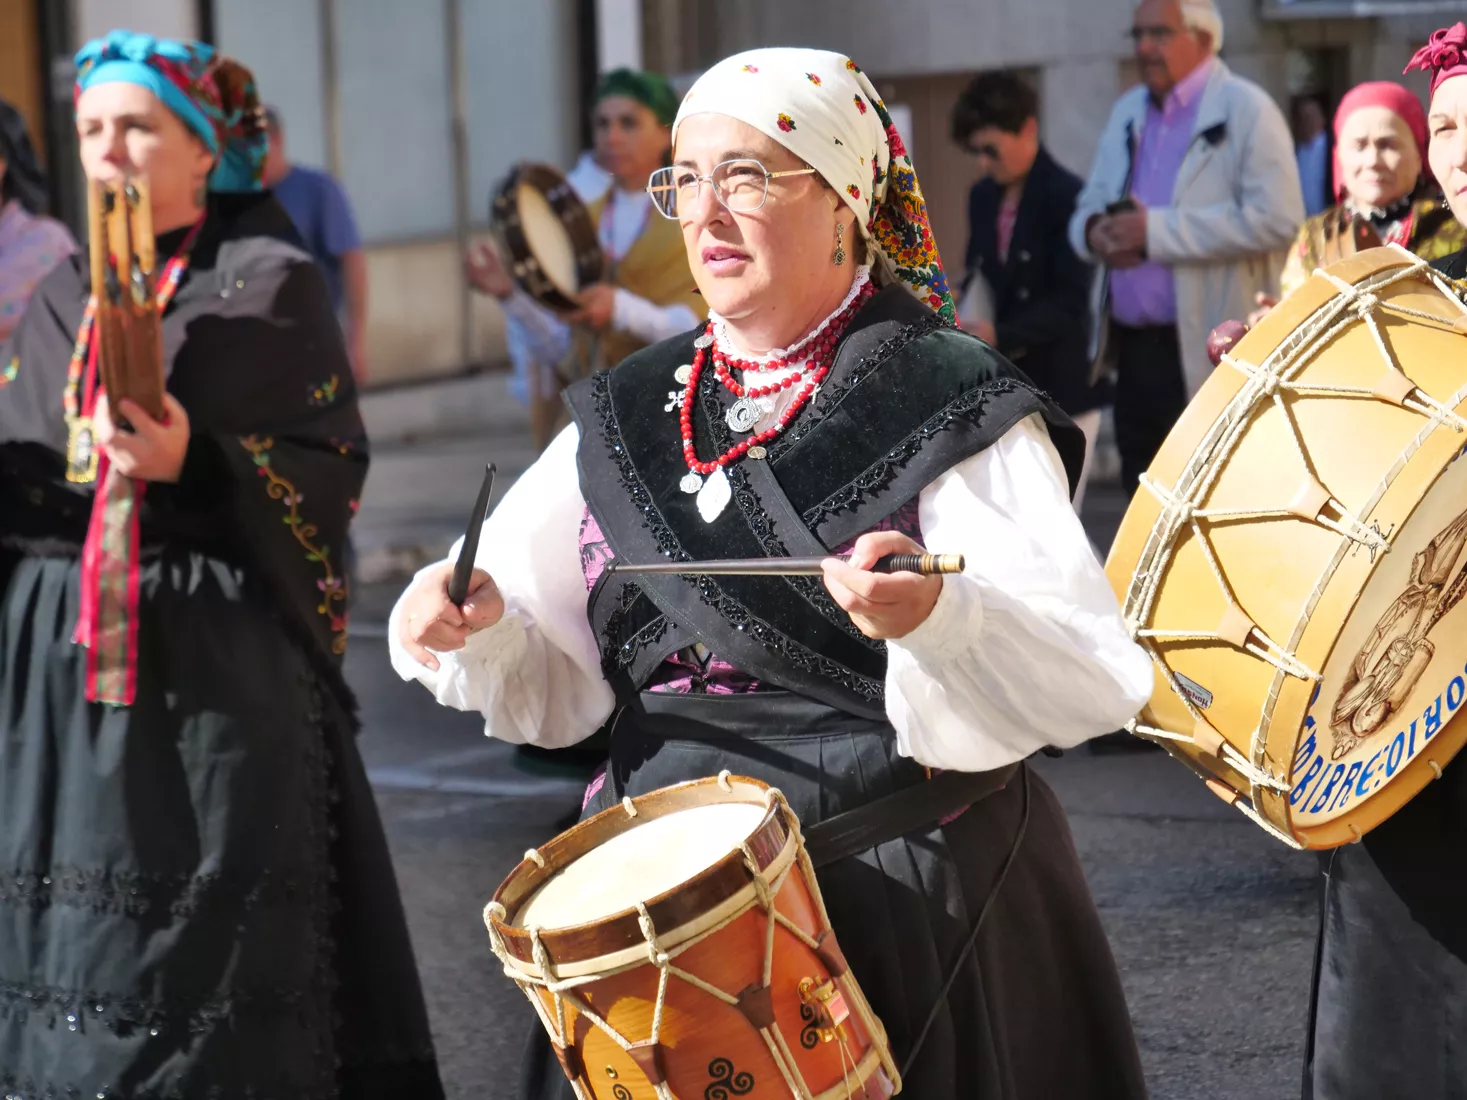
point(1296, 559)
point(549, 236)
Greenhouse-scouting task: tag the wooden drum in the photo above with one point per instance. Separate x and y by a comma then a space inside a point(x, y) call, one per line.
point(676, 946)
point(1296, 559)
point(549, 235)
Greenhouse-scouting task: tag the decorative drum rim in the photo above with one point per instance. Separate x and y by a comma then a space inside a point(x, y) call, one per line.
point(694, 904)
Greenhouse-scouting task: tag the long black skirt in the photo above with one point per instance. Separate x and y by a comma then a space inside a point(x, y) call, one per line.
point(1389, 1012)
point(196, 899)
point(1037, 1011)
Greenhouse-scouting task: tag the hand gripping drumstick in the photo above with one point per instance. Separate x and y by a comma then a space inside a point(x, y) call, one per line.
point(925, 564)
point(463, 569)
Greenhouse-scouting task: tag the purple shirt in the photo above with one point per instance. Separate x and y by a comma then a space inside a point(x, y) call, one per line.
point(1146, 295)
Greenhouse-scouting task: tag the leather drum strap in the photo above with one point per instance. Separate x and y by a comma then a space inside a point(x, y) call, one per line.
point(901, 812)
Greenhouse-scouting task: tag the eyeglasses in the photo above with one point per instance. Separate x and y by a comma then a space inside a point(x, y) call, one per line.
point(741, 185)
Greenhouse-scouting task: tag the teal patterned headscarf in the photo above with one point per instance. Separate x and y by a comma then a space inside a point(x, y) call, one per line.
point(212, 95)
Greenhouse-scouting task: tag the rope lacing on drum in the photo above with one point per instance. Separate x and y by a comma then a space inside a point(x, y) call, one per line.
point(765, 891)
point(1236, 628)
point(1183, 508)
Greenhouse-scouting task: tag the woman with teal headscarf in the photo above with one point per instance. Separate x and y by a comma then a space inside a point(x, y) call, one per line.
point(196, 898)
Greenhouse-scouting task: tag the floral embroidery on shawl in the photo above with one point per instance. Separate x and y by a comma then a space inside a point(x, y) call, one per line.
point(332, 587)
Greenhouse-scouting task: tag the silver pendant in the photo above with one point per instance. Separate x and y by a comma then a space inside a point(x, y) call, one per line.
point(683, 375)
point(674, 399)
point(690, 483)
point(714, 496)
point(743, 415)
point(757, 452)
point(704, 341)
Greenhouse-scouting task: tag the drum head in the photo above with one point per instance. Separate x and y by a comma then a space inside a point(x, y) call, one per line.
point(1299, 566)
point(548, 239)
point(549, 236)
point(640, 864)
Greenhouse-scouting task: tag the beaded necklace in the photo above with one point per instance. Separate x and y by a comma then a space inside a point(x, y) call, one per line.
point(745, 413)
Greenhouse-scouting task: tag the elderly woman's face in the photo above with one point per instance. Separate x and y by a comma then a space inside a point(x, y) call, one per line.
point(1379, 161)
point(766, 259)
point(1447, 124)
point(124, 129)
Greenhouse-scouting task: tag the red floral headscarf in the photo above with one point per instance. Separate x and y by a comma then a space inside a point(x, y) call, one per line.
point(1444, 55)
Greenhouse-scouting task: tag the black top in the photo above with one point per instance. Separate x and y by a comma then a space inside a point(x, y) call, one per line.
point(1453, 266)
point(1041, 292)
point(277, 453)
point(907, 398)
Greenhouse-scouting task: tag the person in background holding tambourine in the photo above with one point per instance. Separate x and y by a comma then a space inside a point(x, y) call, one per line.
point(648, 294)
point(1390, 977)
point(197, 898)
point(965, 915)
point(1381, 180)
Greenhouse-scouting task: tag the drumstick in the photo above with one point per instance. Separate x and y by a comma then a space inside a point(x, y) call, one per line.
point(924, 564)
point(463, 569)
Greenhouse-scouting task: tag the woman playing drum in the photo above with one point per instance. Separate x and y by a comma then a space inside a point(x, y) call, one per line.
point(648, 293)
point(807, 233)
point(196, 896)
point(1390, 982)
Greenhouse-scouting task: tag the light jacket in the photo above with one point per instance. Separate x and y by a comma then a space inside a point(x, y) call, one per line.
point(1235, 208)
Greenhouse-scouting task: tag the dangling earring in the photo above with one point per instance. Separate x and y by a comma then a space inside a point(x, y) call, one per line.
point(840, 243)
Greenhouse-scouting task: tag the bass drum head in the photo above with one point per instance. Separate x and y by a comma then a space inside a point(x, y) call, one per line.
point(549, 236)
point(640, 864)
point(1396, 679)
point(1302, 596)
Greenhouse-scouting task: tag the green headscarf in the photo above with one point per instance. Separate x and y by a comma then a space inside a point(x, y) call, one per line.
point(649, 89)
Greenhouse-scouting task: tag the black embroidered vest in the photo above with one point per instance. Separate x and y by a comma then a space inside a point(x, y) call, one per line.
point(907, 398)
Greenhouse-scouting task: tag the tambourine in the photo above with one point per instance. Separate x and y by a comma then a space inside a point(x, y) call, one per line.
point(549, 236)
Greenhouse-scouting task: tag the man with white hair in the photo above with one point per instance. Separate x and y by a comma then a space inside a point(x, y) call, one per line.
point(1193, 197)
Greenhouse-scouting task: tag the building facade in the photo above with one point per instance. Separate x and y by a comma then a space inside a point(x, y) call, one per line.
point(421, 107)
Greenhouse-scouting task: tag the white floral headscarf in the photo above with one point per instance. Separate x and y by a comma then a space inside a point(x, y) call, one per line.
point(822, 107)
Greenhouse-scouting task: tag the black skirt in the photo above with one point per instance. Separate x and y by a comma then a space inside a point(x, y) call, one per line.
point(1037, 1012)
point(1388, 1015)
point(196, 899)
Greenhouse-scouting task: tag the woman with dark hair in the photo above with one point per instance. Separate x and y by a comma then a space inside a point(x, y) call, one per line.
point(1018, 244)
point(196, 898)
point(31, 244)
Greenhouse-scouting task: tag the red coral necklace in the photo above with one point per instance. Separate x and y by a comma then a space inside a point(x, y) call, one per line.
point(745, 412)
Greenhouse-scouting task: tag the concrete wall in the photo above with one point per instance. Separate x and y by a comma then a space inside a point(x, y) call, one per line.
point(166, 18)
point(388, 127)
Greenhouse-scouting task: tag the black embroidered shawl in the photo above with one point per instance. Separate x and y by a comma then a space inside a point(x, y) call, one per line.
point(908, 397)
point(277, 454)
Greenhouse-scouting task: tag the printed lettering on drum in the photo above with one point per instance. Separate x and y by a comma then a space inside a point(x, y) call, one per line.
point(1398, 673)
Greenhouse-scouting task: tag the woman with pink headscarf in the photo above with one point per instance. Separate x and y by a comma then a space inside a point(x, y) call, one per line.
point(1390, 976)
point(1384, 190)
